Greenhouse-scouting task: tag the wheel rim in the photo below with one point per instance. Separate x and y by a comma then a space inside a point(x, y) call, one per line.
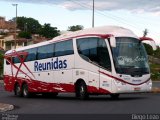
point(81, 91)
point(25, 91)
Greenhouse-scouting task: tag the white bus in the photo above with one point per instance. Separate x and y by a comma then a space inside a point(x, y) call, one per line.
point(103, 60)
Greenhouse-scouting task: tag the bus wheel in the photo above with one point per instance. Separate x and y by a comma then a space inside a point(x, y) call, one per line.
point(82, 91)
point(25, 91)
point(17, 90)
point(114, 96)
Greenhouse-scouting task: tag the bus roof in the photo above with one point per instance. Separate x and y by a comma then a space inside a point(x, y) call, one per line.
point(114, 30)
point(97, 31)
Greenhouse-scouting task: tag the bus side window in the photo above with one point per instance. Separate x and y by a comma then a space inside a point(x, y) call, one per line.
point(32, 54)
point(83, 49)
point(16, 60)
point(103, 55)
point(93, 49)
point(87, 49)
point(46, 51)
point(64, 48)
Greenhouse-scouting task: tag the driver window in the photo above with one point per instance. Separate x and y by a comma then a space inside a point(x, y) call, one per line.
point(95, 50)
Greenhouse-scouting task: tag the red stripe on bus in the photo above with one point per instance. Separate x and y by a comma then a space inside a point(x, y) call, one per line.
point(146, 38)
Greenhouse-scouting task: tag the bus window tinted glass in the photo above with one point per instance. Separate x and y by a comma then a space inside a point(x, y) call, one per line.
point(46, 51)
point(87, 48)
point(103, 55)
point(83, 48)
point(16, 60)
point(95, 50)
point(31, 54)
point(64, 48)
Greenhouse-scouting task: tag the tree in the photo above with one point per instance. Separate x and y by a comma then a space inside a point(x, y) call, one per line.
point(26, 35)
point(145, 32)
point(75, 28)
point(48, 31)
point(28, 24)
point(148, 48)
point(33, 26)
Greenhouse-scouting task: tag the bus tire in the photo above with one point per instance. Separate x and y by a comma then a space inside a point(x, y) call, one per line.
point(81, 92)
point(17, 90)
point(114, 96)
point(25, 91)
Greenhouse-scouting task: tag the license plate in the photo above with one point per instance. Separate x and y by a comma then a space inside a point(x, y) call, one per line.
point(137, 89)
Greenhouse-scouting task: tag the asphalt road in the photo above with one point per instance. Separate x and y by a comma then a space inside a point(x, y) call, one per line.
point(67, 104)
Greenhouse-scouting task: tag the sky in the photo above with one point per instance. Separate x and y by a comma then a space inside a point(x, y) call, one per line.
point(136, 15)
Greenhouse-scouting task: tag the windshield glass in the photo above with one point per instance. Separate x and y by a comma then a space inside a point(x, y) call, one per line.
point(130, 56)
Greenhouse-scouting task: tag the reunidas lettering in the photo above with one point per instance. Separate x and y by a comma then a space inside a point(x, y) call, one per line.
point(53, 65)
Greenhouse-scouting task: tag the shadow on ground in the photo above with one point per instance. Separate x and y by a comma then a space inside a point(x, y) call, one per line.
point(68, 97)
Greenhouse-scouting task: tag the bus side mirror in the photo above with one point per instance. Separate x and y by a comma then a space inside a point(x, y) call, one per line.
point(153, 44)
point(113, 41)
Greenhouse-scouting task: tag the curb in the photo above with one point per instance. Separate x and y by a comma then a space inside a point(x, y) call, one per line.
point(5, 107)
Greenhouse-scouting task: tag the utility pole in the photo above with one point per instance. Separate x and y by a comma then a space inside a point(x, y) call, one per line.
point(15, 26)
point(93, 16)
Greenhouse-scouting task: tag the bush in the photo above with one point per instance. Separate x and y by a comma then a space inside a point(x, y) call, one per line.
point(155, 76)
point(155, 71)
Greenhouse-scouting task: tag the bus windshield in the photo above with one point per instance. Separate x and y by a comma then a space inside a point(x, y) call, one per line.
point(130, 57)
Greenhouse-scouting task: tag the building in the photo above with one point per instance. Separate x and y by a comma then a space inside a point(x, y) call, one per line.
point(9, 25)
point(7, 36)
point(2, 22)
point(7, 42)
point(2, 42)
